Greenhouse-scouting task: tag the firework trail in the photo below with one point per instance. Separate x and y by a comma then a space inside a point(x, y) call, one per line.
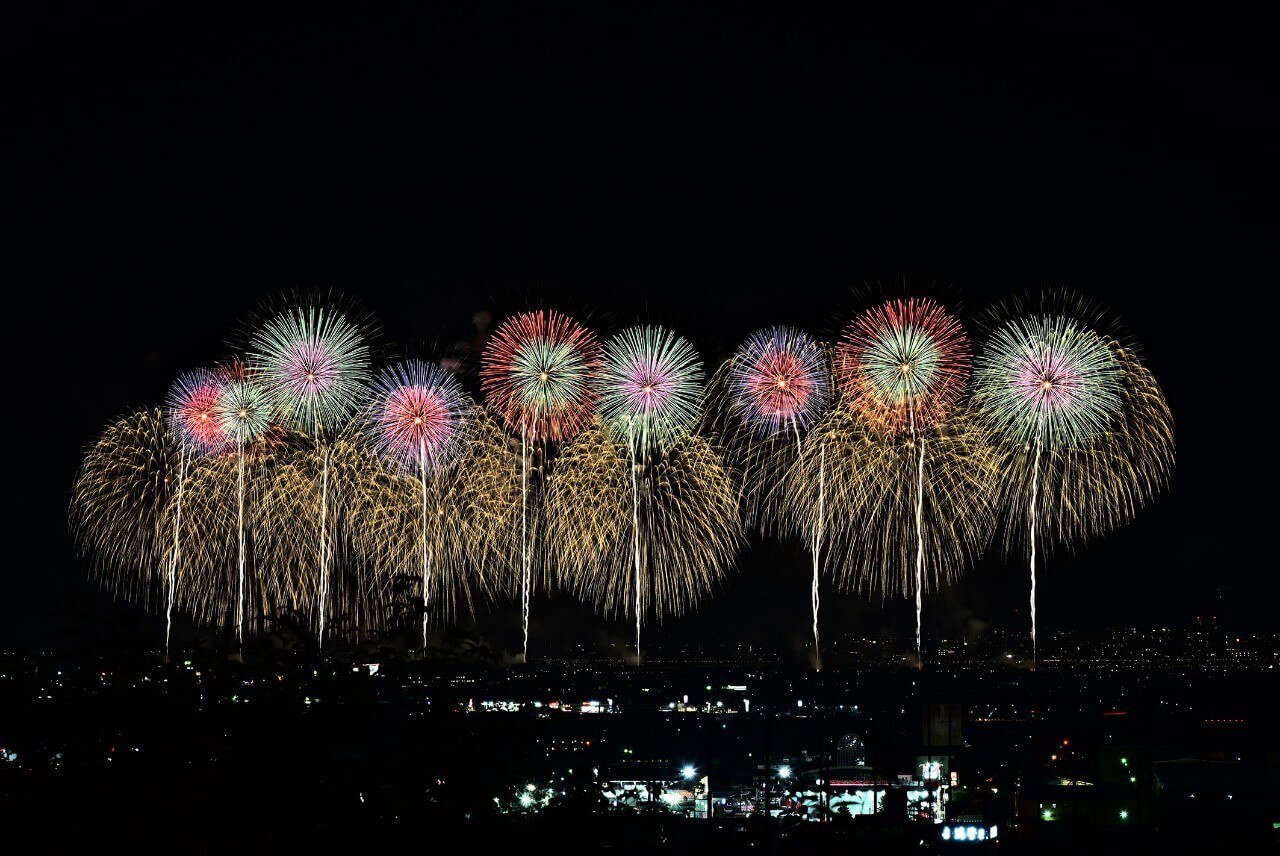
point(903, 366)
point(414, 422)
point(314, 364)
point(191, 408)
point(1088, 437)
point(537, 373)
point(650, 397)
point(777, 385)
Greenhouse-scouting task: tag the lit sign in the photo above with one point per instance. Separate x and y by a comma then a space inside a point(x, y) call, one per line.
point(964, 832)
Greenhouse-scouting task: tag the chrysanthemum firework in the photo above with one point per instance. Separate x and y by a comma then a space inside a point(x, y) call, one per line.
point(415, 416)
point(650, 387)
point(778, 382)
point(1048, 380)
point(243, 409)
point(537, 371)
point(313, 363)
point(903, 364)
point(192, 409)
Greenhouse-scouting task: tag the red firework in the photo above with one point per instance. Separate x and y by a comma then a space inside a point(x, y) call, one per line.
point(904, 364)
point(537, 372)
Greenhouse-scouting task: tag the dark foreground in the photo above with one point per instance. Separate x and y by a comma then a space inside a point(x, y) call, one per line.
point(205, 754)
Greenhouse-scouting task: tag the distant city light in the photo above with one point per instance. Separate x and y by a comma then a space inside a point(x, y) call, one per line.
point(1124, 814)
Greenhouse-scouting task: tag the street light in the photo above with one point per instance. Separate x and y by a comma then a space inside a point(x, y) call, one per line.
point(784, 772)
point(689, 771)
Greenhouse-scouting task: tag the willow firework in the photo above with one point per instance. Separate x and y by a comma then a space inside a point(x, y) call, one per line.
point(867, 509)
point(120, 501)
point(689, 533)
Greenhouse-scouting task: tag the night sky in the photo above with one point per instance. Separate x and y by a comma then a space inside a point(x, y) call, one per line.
point(713, 173)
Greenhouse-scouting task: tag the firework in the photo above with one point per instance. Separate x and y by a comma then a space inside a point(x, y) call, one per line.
point(1049, 382)
point(690, 528)
point(120, 501)
point(537, 372)
point(650, 387)
point(314, 364)
point(413, 421)
point(650, 398)
point(777, 386)
point(868, 506)
point(192, 410)
point(1088, 436)
point(903, 363)
point(244, 414)
point(779, 382)
point(473, 503)
point(903, 367)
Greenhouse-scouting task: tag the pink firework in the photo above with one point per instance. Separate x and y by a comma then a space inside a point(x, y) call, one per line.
point(779, 381)
point(416, 415)
point(192, 407)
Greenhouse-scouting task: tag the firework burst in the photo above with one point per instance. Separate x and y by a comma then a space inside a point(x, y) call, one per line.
point(314, 365)
point(193, 409)
point(537, 372)
point(903, 364)
point(1048, 381)
point(779, 382)
point(650, 387)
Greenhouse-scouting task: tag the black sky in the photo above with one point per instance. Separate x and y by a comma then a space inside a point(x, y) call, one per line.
point(710, 171)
